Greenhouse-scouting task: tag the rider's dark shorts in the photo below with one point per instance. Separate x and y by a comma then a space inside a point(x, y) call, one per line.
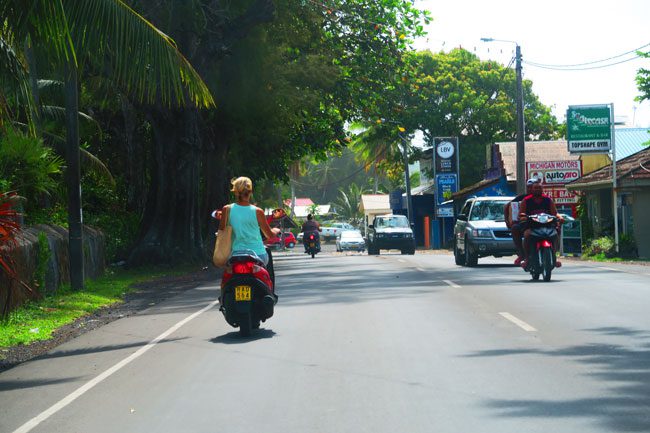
point(521, 226)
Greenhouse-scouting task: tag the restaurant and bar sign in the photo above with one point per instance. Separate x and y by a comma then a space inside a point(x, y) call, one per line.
point(589, 128)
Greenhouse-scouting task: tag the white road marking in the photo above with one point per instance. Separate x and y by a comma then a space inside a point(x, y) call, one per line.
point(523, 325)
point(609, 269)
point(401, 260)
point(452, 284)
point(29, 425)
point(419, 269)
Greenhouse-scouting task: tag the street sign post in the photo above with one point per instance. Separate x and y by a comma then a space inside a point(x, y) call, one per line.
point(590, 129)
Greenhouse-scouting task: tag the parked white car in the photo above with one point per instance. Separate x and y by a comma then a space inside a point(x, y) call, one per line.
point(350, 240)
point(333, 230)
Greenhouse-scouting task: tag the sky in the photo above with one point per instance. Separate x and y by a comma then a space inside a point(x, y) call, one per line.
point(553, 32)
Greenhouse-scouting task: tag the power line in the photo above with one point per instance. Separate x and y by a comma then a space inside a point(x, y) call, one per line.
point(537, 65)
point(576, 65)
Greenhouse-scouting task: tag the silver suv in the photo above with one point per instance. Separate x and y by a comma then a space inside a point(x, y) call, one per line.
point(481, 231)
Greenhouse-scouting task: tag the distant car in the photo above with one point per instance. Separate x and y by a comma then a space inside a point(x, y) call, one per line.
point(350, 240)
point(481, 231)
point(331, 231)
point(276, 242)
point(390, 232)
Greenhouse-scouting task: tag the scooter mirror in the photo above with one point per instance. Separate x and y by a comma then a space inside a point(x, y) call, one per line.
point(278, 214)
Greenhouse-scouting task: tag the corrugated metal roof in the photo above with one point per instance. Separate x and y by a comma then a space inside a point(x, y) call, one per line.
point(630, 140)
point(632, 167)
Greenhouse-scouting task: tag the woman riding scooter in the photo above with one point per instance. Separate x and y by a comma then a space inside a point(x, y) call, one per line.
point(247, 220)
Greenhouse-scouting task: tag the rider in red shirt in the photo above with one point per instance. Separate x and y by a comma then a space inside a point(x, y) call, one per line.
point(536, 203)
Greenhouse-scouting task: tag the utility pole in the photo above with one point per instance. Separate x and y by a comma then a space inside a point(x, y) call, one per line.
point(521, 128)
point(409, 211)
point(521, 150)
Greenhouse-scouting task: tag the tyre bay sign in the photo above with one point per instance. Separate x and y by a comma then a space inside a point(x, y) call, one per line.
point(589, 128)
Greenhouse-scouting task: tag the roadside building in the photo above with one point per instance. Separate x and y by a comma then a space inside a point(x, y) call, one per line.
point(304, 206)
point(633, 190)
point(548, 160)
point(373, 205)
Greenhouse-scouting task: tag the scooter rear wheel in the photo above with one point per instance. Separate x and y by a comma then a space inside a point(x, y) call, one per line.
point(547, 264)
point(245, 324)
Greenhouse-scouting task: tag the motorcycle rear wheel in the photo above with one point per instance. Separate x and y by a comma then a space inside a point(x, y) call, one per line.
point(245, 325)
point(547, 264)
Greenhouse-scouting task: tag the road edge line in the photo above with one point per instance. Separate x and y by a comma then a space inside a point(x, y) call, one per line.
point(34, 422)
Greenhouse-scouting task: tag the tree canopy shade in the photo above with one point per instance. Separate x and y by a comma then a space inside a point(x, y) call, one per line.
point(129, 50)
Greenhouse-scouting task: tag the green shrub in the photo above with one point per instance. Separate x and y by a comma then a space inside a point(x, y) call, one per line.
point(605, 248)
point(601, 246)
point(28, 167)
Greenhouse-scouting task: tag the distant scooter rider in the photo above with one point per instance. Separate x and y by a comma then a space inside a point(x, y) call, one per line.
point(310, 226)
point(517, 228)
point(532, 204)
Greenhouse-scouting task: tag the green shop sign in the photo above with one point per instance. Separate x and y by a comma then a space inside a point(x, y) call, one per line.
point(589, 128)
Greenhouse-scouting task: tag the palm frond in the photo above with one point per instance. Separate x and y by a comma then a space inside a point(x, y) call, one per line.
point(144, 60)
point(88, 160)
point(13, 80)
point(43, 21)
point(53, 112)
point(92, 163)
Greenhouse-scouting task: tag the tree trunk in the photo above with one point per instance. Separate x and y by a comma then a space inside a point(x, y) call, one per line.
point(73, 178)
point(135, 159)
point(171, 229)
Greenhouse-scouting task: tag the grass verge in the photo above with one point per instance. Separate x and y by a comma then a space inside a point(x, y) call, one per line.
point(37, 320)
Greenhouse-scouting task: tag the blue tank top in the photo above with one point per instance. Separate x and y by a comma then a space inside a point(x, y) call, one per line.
point(245, 229)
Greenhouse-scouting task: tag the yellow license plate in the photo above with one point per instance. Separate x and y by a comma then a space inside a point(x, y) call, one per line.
point(312, 245)
point(243, 293)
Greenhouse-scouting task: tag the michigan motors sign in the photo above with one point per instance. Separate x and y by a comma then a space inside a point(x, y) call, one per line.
point(554, 173)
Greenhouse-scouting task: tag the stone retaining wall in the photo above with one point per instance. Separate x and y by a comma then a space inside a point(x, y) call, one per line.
point(57, 268)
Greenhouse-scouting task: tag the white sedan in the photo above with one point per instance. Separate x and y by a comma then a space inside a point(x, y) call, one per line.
point(350, 240)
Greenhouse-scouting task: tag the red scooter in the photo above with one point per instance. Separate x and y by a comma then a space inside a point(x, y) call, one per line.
point(247, 291)
point(248, 288)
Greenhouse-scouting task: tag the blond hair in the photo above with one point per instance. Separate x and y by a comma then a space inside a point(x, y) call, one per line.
point(241, 185)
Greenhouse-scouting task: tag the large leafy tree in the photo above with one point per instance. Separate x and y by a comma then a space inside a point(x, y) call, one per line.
point(286, 76)
point(643, 80)
point(457, 94)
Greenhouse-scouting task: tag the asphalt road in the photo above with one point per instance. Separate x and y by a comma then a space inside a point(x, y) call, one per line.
point(378, 344)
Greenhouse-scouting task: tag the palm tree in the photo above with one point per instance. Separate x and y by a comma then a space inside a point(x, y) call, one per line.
point(109, 34)
point(349, 202)
point(373, 147)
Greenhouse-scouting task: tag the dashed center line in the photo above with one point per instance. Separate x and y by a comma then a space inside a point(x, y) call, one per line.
point(523, 325)
point(452, 284)
point(401, 260)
